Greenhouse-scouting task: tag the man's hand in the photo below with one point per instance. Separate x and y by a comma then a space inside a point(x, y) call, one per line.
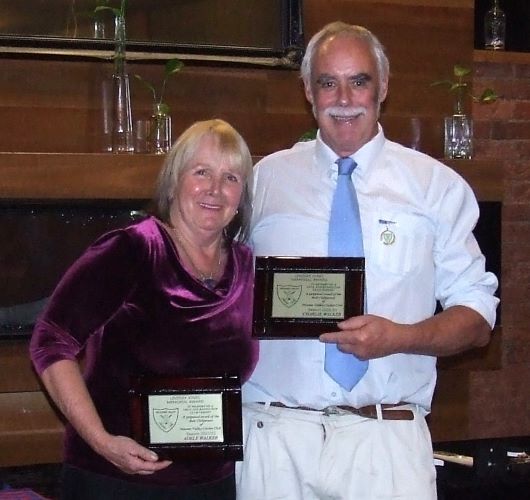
point(452, 331)
point(368, 336)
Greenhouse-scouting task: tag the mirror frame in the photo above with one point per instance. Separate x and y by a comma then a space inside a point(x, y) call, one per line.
point(289, 56)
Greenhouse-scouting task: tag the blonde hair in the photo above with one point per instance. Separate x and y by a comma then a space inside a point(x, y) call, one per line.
point(232, 146)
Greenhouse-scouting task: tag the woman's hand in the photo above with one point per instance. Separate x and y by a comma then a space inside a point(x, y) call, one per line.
point(67, 388)
point(129, 456)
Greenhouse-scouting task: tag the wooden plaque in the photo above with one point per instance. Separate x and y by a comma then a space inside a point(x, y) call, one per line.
point(302, 297)
point(188, 417)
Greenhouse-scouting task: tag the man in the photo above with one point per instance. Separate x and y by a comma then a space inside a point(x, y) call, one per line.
point(307, 437)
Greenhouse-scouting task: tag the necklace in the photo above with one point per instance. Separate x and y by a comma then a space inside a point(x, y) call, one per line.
point(207, 279)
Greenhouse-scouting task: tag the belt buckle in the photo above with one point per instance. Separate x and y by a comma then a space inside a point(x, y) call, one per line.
point(328, 411)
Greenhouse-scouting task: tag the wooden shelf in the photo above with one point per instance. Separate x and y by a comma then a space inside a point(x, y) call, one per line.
point(501, 57)
point(60, 176)
point(78, 175)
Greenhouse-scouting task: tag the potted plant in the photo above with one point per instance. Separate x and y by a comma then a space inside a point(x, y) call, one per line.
point(458, 128)
point(160, 131)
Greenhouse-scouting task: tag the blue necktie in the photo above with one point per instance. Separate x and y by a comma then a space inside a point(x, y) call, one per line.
point(344, 240)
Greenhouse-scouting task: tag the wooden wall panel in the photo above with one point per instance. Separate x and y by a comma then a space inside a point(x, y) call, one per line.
point(56, 106)
point(449, 418)
point(51, 114)
point(16, 372)
point(30, 432)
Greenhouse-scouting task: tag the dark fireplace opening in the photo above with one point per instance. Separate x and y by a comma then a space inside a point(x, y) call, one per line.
point(42, 240)
point(488, 234)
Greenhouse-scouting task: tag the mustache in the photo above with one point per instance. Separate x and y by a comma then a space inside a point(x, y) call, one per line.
point(345, 111)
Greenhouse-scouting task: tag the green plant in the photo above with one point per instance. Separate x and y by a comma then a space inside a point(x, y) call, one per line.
point(308, 135)
point(460, 88)
point(171, 67)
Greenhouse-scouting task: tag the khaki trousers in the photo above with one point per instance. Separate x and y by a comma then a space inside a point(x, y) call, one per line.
point(305, 455)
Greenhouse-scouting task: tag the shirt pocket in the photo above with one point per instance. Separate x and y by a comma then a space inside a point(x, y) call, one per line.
point(401, 242)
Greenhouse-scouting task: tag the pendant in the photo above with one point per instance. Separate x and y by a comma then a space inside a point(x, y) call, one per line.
point(387, 237)
point(208, 283)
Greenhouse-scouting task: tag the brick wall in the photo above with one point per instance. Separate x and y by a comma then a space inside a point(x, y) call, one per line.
point(500, 399)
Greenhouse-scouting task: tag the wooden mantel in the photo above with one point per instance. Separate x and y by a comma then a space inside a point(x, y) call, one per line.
point(50, 176)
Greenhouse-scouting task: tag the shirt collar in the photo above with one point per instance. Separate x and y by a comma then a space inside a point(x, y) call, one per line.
point(364, 157)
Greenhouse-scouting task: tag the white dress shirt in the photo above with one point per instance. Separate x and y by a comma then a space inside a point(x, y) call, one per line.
point(430, 210)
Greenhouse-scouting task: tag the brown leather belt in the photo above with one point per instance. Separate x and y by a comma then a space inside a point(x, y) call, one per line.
point(388, 411)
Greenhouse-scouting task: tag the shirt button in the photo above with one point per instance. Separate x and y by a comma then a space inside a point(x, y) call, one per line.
point(260, 424)
point(333, 394)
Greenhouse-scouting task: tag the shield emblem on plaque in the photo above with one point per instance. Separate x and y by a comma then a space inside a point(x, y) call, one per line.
point(289, 295)
point(165, 418)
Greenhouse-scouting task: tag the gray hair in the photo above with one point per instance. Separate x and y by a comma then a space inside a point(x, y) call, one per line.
point(230, 144)
point(339, 28)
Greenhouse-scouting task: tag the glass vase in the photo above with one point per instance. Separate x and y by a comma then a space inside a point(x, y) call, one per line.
point(160, 130)
point(458, 138)
point(122, 123)
point(104, 91)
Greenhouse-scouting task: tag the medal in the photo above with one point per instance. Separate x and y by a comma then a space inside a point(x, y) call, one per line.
point(387, 237)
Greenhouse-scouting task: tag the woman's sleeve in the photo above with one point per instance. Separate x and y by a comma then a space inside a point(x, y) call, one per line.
point(88, 295)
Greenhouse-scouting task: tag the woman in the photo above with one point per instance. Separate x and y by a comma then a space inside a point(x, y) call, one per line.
point(170, 295)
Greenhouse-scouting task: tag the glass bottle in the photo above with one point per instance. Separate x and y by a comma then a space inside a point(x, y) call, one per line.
point(494, 28)
point(122, 128)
